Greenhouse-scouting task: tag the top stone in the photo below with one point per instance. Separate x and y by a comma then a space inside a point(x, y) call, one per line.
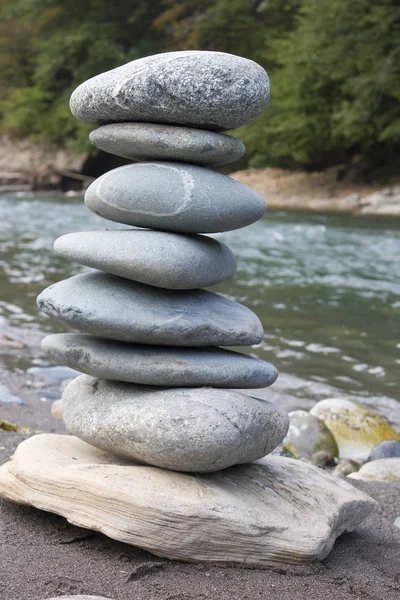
point(209, 90)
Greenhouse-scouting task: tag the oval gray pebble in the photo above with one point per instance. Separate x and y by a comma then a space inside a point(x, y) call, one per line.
point(385, 449)
point(174, 197)
point(116, 308)
point(210, 90)
point(166, 260)
point(159, 366)
point(183, 429)
point(152, 141)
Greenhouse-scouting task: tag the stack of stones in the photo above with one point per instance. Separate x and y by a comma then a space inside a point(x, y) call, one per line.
point(157, 387)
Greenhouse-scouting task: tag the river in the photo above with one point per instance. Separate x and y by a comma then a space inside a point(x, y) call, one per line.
point(326, 288)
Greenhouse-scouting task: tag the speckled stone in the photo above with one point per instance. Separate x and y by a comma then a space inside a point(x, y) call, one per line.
point(183, 429)
point(159, 366)
point(210, 90)
point(116, 308)
point(166, 260)
point(386, 449)
point(174, 197)
point(152, 141)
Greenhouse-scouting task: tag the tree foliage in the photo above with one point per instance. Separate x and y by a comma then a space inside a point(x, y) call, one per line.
point(334, 66)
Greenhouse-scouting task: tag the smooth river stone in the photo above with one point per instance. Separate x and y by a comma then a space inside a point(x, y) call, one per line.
point(271, 512)
point(183, 429)
point(209, 90)
point(152, 141)
point(160, 366)
point(166, 260)
point(116, 308)
point(174, 197)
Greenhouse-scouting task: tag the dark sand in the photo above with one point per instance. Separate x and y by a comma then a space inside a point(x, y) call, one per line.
point(42, 556)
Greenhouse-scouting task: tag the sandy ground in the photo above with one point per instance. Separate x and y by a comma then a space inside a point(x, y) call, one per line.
point(42, 556)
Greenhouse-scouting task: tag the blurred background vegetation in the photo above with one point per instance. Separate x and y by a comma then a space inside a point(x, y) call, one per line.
point(334, 68)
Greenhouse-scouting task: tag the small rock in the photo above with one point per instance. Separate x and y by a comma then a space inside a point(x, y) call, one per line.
point(158, 365)
point(397, 522)
point(55, 374)
point(386, 449)
point(111, 307)
point(385, 469)
point(209, 90)
point(152, 141)
point(56, 409)
point(166, 260)
point(174, 197)
point(309, 435)
point(345, 467)
point(322, 459)
point(277, 510)
point(8, 397)
point(356, 429)
point(183, 429)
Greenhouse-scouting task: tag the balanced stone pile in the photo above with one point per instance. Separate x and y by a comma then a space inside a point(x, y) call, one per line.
point(145, 322)
point(157, 387)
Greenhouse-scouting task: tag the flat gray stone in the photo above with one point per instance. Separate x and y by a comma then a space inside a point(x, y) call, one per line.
point(386, 449)
point(210, 90)
point(166, 260)
point(152, 141)
point(183, 429)
point(116, 308)
point(155, 365)
point(174, 197)
point(271, 512)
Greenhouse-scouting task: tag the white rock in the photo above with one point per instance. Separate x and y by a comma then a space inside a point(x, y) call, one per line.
point(274, 511)
point(384, 469)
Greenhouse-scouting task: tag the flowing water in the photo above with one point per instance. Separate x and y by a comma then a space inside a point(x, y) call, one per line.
point(326, 288)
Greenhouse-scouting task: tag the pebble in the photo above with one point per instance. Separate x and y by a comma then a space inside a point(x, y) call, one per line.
point(355, 428)
point(385, 469)
point(182, 429)
point(209, 90)
point(56, 409)
point(309, 435)
point(157, 365)
point(112, 307)
point(174, 197)
point(152, 141)
point(322, 459)
point(56, 374)
point(7, 397)
point(386, 449)
point(345, 467)
point(166, 260)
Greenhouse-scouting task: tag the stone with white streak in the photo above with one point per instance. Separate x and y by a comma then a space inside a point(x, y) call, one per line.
point(174, 196)
point(275, 511)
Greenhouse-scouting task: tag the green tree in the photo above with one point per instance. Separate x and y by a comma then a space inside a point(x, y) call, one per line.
point(337, 92)
point(69, 41)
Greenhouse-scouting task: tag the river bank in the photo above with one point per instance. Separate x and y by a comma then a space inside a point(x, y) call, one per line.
point(322, 192)
point(42, 168)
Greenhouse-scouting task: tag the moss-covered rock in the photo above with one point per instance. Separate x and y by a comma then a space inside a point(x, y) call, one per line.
point(355, 428)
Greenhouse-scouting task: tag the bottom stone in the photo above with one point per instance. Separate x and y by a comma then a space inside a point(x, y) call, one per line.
point(276, 510)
